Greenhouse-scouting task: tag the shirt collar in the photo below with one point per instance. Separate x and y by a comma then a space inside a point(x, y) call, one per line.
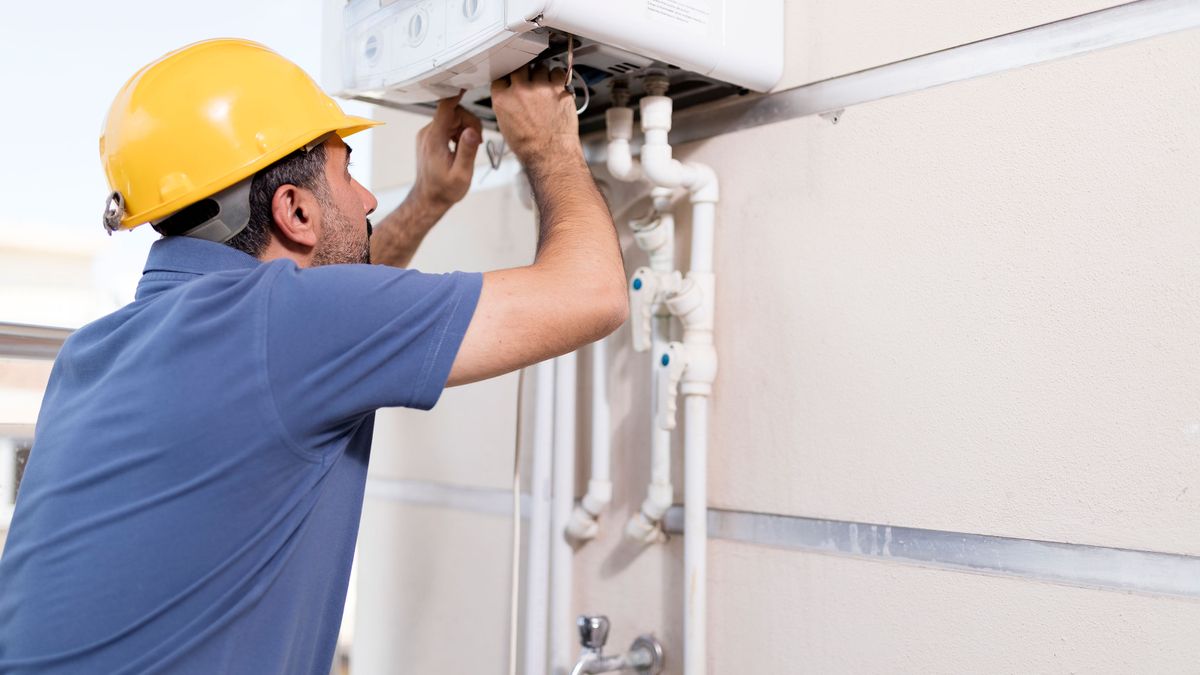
point(195, 256)
point(171, 257)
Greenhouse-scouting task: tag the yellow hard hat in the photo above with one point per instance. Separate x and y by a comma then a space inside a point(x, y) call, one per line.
point(206, 117)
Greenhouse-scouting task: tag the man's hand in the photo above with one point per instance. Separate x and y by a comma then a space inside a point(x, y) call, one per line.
point(444, 175)
point(443, 178)
point(536, 114)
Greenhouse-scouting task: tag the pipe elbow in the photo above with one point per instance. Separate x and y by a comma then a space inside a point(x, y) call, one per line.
point(582, 526)
point(619, 128)
point(705, 187)
point(643, 530)
point(620, 162)
point(659, 167)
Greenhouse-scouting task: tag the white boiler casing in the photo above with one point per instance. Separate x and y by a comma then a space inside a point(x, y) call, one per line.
point(416, 51)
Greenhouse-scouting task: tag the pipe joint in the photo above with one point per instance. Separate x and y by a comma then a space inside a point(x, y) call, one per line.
point(658, 499)
point(656, 237)
point(705, 189)
point(701, 370)
point(619, 123)
point(691, 304)
point(663, 199)
point(644, 531)
point(599, 495)
point(582, 526)
point(656, 113)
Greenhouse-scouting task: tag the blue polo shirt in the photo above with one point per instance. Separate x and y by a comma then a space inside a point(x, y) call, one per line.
point(193, 494)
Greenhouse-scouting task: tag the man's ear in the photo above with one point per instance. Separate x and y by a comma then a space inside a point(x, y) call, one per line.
point(297, 216)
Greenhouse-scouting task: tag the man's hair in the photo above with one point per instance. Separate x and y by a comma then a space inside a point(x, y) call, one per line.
point(304, 169)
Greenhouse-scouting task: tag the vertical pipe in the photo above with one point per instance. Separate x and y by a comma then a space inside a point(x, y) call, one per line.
point(601, 418)
point(704, 215)
point(564, 502)
point(695, 533)
point(536, 587)
point(583, 524)
point(660, 439)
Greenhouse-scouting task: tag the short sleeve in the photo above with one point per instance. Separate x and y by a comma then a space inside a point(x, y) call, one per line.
point(345, 340)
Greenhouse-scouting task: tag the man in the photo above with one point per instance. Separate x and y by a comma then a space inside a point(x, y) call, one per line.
point(193, 495)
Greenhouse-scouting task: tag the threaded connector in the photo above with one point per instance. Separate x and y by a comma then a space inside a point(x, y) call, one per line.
point(656, 85)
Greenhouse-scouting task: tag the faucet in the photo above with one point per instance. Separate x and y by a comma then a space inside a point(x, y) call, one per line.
point(645, 654)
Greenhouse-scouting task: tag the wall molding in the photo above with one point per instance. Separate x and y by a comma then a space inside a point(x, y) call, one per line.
point(488, 501)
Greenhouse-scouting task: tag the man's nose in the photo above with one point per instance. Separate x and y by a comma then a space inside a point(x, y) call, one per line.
point(369, 201)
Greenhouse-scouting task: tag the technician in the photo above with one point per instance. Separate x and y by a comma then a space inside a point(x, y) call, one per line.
point(193, 494)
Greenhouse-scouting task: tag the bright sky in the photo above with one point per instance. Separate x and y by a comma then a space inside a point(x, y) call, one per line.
point(61, 64)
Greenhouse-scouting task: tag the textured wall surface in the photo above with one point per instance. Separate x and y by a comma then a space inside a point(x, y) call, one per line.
point(785, 612)
point(973, 309)
point(983, 307)
point(826, 38)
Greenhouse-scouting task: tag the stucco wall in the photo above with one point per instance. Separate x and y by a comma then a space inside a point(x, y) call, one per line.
point(972, 308)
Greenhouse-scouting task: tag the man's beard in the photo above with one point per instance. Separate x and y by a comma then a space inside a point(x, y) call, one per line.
point(341, 243)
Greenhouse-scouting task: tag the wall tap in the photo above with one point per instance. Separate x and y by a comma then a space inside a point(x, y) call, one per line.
point(645, 654)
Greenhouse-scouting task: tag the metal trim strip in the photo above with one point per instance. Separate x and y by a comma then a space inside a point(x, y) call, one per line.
point(1082, 565)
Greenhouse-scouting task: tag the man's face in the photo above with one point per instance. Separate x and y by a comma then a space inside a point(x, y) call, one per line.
point(345, 230)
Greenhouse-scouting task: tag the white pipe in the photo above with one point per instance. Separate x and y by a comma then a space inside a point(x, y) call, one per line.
point(695, 534)
point(645, 526)
point(583, 523)
point(704, 215)
point(658, 165)
point(561, 553)
point(694, 304)
point(619, 127)
point(536, 587)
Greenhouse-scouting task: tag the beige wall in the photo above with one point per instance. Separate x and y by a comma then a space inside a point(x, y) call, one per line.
point(971, 309)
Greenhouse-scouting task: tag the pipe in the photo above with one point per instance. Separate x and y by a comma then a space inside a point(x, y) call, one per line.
point(657, 239)
point(619, 129)
point(693, 303)
point(561, 553)
point(659, 166)
point(536, 588)
point(695, 306)
point(704, 216)
point(645, 526)
point(695, 534)
point(583, 525)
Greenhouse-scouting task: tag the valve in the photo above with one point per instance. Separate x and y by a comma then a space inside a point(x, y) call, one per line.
point(643, 289)
point(672, 363)
point(647, 291)
point(593, 632)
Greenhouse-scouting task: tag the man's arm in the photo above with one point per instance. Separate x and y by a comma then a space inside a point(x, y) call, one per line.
point(443, 178)
point(574, 292)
